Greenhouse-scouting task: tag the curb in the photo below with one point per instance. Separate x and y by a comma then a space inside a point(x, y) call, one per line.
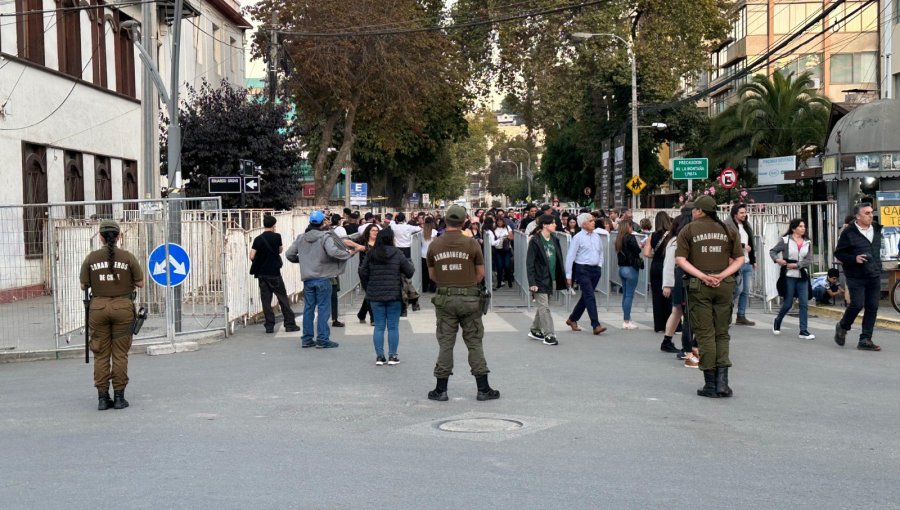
point(889, 323)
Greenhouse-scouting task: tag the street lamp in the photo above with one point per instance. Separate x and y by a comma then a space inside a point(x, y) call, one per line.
point(529, 174)
point(635, 161)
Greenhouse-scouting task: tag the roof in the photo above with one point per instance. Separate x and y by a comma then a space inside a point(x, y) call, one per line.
point(869, 128)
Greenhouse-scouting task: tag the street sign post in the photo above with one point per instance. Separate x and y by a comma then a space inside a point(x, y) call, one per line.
point(251, 184)
point(728, 178)
point(225, 185)
point(693, 168)
point(169, 267)
point(636, 184)
point(359, 193)
point(413, 199)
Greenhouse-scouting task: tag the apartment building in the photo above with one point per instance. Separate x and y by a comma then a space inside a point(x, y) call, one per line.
point(841, 51)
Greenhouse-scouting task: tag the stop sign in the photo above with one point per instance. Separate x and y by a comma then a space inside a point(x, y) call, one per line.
point(728, 178)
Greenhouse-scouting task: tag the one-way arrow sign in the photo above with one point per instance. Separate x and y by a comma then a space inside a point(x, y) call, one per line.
point(251, 184)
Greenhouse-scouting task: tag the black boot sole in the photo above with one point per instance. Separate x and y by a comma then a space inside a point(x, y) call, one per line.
point(706, 393)
point(438, 396)
point(487, 395)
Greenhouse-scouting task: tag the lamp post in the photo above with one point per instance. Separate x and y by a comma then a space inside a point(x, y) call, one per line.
point(529, 174)
point(635, 161)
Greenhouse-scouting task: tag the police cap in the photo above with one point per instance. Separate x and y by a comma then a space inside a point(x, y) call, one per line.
point(456, 215)
point(109, 226)
point(705, 203)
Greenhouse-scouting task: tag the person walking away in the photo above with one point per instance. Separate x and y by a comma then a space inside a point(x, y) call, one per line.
point(368, 239)
point(710, 253)
point(673, 288)
point(859, 249)
point(265, 255)
point(429, 232)
point(584, 263)
point(546, 275)
point(456, 264)
point(794, 254)
point(112, 275)
point(403, 233)
point(504, 235)
point(489, 242)
point(826, 288)
point(379, 276)
point(628, 252)
point(737, 220)
point(655, 251)
point(321, 257)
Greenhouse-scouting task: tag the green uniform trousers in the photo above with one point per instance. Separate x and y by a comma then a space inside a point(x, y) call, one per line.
point(453, 313)
point(110, 322)
point(710, 313)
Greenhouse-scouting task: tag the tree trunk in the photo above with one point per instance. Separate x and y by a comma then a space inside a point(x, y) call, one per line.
point(343, 158)
point(319, 176)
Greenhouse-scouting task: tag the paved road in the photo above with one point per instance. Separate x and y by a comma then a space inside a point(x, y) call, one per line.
point(607, 422)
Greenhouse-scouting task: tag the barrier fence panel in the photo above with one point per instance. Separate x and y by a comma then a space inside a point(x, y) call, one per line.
point(488, 253)
point(603, 285)
point(415, 253)
point(520, 272)
point(564, 240)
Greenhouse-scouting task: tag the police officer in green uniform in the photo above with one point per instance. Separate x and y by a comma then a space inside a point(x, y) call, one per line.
point(112, 274)
point(456, 265)
point(710, 253)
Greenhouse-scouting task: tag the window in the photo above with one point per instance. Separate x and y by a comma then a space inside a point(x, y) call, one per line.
point(864, 21)
point(30, 31)
point(68, 37)
point(217, 48)
point(811, 63)
point(757, 19)
point(34, 191)
point(233, 51)
point(103, 185)
point(717, 105)
point(129, 183)
point(125, 80)
point(791, 17)
point(98, 43)
point(854, 67)
point(739, 26)
point(74, 174)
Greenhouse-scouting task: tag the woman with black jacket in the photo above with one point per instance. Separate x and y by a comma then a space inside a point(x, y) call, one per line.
point(630, 264)
point(368, 241)
point(546, 274)
point(655, 250)
point(379, 275)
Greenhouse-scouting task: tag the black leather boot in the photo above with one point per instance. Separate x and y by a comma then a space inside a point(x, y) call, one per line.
point(722, 387)
point(485, 392)
point(103, 401)
point(120, 402)
point(439, 392)
point(708, 389)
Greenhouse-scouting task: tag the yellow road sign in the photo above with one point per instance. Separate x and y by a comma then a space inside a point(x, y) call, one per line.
point(636, 185)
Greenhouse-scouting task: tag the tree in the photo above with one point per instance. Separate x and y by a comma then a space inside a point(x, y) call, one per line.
point(221, 126)
point(344, 80)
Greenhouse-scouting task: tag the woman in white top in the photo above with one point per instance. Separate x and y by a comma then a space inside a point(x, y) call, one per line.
point(794, 254)
point(428, 235)
point(503, 249)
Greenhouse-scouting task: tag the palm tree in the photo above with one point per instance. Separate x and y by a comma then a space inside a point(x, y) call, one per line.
point(774, 117)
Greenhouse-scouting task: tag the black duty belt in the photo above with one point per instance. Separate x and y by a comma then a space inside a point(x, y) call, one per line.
point(456, 291)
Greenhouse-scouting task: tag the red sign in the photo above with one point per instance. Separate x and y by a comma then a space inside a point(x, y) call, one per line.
point(309, 191)
point(728, 178)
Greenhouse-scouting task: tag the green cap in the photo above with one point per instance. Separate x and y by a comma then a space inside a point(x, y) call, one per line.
point(109, 226)
point(456, 215)
point(705, 203)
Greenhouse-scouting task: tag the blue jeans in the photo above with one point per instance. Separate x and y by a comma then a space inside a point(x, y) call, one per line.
point(629, 276)
point(316, 294)
point(799, 288)
point(386, 314)
point(742, 290)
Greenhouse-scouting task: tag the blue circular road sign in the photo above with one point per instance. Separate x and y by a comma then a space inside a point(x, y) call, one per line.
point(177, 265)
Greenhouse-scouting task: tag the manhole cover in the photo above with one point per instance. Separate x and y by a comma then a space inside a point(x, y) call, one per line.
point(480, 425)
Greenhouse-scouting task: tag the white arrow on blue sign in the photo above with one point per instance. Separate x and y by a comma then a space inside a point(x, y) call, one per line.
point(177, 265)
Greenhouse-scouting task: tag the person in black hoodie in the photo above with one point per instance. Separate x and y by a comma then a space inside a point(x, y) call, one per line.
point(859, 250)
point(380, 278)
point(546, 274)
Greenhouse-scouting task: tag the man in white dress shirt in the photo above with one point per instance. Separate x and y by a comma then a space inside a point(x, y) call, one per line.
point(584, 262)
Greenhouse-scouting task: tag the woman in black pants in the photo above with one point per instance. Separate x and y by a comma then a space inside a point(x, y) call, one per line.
point(368, 240)
point(655, 250)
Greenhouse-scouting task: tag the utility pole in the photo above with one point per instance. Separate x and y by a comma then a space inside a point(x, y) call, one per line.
point(149, 106)
point(273, 55)
point(887, 89)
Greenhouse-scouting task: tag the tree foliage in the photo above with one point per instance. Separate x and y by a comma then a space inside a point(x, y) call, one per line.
point(221, 126)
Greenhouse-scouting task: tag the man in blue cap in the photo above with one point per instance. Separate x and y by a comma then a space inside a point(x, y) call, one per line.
point(321, 256)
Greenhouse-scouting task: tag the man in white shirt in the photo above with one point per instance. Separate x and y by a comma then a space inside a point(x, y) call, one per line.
point(403, 233)
point(584, 262)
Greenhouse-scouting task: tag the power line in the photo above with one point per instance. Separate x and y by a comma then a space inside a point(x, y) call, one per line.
point(454, 26)
point(76, 8)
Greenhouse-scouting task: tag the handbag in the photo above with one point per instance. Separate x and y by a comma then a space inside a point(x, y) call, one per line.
point(409, 290)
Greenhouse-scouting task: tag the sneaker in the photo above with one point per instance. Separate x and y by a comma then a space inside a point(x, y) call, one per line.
point(292, 328)
point(806, 335)
point(629, 325)
point(326, 345)
point(535, 335)
point(307, 345)
point(867, 345)
point(379, 361)
point(440, 396)
point(691, 361)
point(776, 328)
point(337, 324)
point(488, 395)
point(840, 334)
point(668, 346)
point(681, 355)
point(551, 340)
point(393, 360)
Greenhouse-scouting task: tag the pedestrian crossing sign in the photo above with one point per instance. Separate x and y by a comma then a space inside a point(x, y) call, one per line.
point(636, 184)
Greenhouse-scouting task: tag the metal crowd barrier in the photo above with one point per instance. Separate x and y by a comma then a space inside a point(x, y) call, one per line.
point(415, 254)
point(520, 271)
point(488, 269)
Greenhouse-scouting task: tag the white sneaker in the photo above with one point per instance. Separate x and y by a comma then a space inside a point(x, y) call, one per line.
point(775, 332)
point(629, 325)
point(806, 335)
